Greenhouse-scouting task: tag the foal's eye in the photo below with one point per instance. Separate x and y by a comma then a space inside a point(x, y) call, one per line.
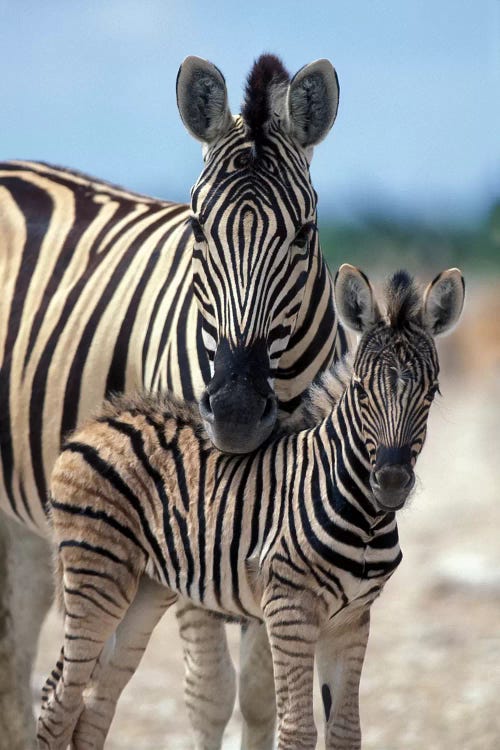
point(199, 235)
point(432, 391)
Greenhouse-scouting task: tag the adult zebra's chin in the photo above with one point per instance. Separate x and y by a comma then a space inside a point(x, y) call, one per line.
point(239, 407)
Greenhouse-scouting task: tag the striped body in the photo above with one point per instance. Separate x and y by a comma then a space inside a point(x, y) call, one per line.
point(213, 528)
point(92, 279)
point(302, 534)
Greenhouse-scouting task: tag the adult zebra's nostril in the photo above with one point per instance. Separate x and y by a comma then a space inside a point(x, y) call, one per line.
point(205, 407)
point(270, 411)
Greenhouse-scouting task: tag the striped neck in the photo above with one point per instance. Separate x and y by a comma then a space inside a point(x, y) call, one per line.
point(332, 520)
point(348, 466)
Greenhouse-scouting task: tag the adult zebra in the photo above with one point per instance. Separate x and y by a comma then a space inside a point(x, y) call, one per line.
point(105, 290)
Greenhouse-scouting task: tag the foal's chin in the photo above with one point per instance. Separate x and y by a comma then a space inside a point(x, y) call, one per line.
point(393, 499)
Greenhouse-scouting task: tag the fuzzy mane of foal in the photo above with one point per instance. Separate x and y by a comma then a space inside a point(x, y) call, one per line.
point(403, 299)
point(321, 397)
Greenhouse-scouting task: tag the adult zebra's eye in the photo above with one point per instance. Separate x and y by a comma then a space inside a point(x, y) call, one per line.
point(199, 235)
point(242, 160)
point(303, 235)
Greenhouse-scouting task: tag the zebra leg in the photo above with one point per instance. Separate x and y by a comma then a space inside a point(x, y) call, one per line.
point(256, 688)
point(340, 656)
point(26, 591)
point(95, 602)
point(115, 669)
point(210, 680)
point(293, 633)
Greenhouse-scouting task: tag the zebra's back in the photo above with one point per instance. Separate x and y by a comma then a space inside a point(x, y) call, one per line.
point(92, 277)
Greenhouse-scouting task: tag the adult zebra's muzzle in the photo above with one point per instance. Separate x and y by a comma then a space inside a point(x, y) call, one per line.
point(239, 407)
point(392, 478)
point(237, 420)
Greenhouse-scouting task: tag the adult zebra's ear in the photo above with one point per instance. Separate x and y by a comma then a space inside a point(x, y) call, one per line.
point(312, 103)
point(444, 301)
point(202, 99)
point(354, 300)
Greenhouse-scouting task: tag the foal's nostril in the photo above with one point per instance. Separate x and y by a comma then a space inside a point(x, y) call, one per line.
point(410, 481)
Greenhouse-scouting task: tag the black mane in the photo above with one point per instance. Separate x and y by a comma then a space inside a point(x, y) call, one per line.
point(403, 300)
point(268, 70)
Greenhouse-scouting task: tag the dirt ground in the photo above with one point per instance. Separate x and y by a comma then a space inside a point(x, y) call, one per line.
point(431, 679)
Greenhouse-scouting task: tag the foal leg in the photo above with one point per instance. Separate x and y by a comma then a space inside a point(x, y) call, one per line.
point(209, 681)
point(291, 622)
point(340, 655)
point(95, 602)
point(115, 668)
point(256, 688)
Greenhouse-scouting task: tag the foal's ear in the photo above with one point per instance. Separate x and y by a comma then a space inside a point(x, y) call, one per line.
point(312, 102)
point(356, 306)
point(443, 301)
point(202, 99)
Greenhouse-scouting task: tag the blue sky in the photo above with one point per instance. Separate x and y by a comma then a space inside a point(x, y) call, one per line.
point(91, 85)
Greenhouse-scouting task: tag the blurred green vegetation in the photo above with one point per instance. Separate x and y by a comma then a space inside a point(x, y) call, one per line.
point(382, 242)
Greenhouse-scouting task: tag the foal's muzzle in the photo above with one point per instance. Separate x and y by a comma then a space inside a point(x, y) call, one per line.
point(392, 478)
point(391, 486)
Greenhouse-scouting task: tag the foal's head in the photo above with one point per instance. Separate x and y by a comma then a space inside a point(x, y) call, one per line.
point(395, 372)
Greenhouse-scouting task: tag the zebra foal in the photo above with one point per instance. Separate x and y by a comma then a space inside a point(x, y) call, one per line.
point(301, 534)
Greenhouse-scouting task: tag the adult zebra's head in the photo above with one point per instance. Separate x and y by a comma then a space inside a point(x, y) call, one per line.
point(395, 372)
point(254, 231)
